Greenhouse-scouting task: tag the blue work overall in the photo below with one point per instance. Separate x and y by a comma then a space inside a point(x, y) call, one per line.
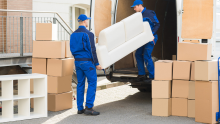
point(83, 49)
point(143, 54)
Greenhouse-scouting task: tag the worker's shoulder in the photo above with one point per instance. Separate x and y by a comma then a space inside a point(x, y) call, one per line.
point(149, 12)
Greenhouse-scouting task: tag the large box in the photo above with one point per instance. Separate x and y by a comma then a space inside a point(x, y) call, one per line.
point(206, 70)
point(191, 108)
point(191, 90)
point(60, 67)
point(49, 49)
point(68, 53)
point(192, 77)
point(46, 31)
point(179, 107)
point(161, 107)
point(59, 84)
point(164, 70)
point(58, 102)
point(180, 89)
point(206, 101)
point(161, 89)
point(193, 52)
point(181, 70)
point(39, 65)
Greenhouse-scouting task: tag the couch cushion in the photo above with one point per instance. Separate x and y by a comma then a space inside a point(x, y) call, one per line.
point(112, 36)
point(133, 25)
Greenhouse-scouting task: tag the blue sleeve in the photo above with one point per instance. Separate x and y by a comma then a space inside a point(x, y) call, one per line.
point(93, 49)
point(155, 21)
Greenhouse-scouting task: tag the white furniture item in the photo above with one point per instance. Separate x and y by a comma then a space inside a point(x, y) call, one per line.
point(122, 38)
point(23, 97)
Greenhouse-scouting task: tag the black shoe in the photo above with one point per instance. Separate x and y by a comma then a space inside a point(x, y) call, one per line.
point(140, 78)
point(81, 111)
point(90, 111)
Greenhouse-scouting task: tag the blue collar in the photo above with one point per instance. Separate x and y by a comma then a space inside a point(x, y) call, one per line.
point(82, 27)
point(143, 10)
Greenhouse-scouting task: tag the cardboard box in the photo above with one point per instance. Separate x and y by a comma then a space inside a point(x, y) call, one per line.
point(191, 90)
point(192, 77)
point(193, 52)
point(161, 89)
point(58, 102)
point(179, 107)
point(31, 85)
point(191, 108)
point(68, 53)
point(173, 57)
point(46, 31)
point(206, 70)
point(44, 49)
point(164, 70)
point(181, 70)
point(180, 89)
point(206, 101)
point(60, 67)
point(59, 84)
point(161, 107)
point(39, 65)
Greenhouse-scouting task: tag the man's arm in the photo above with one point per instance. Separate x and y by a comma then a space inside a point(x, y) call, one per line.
point(155, 21)
point(93, 49)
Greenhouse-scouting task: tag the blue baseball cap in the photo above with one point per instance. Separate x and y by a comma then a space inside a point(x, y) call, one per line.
point(137, 2)
point(83, 17)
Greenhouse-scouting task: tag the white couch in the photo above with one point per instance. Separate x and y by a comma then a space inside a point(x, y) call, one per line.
point(122, 38)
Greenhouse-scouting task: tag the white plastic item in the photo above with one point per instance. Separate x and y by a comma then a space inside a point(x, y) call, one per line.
point(117, 41)
point(23, 97)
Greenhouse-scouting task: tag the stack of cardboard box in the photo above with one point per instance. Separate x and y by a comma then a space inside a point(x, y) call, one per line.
point(161, 88)
point(54, 59)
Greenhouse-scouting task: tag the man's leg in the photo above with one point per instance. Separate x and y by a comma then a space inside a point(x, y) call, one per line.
point(80, 86)
point(140, 61)
point(148, 59)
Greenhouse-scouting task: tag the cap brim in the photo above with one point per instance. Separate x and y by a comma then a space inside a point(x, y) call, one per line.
point(88, 18)
point(133, 6)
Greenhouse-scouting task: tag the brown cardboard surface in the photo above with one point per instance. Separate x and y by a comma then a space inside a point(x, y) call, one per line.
point(68, 53)
point(161, 107)
point(180, 89)
point(39, 65)
point(58, 102)
point(193, 52)
point(191, 108)
point(191, 41)
point(31, 85)
point(206, 101)
point(59, 84)
point(192, 77)
point(49, 49)
point(173, 57)
point(161, 89)
point(191, 90)
point(181, 70)
point(206, 70)
point(179, 107)
point(164, 70)
point(43, 31)
point(60, 67)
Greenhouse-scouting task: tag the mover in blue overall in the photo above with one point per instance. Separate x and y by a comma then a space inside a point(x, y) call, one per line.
point(83, 49)
point(143, 54)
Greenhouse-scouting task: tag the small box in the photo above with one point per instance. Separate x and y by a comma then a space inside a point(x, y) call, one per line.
point(191, 108)
point(206, 101)
point(164, 70)
point(44, 49)
point(60, 67)
point(161, 89)
point(59, 84)
point(191, 90)
point(179, 107)
point(180, 89)
point(39, 65)
point(192, 77)
point(193, 52)
point(206, 70)
point(46, 31)
point(68, 53)
point(181, 70)
point(58, 102)
point(161, 107)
